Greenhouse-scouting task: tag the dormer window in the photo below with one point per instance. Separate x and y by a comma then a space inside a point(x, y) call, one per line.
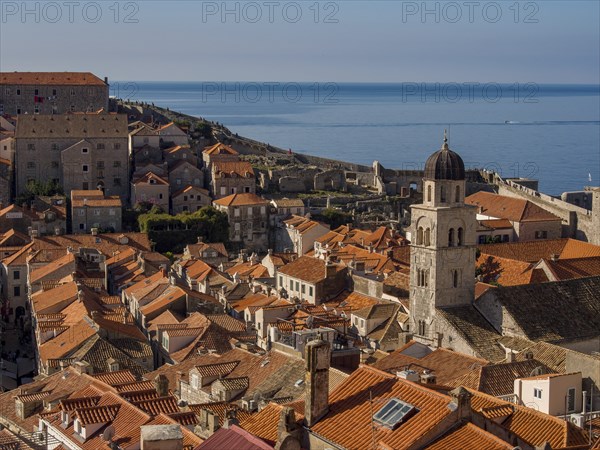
point(77, 426)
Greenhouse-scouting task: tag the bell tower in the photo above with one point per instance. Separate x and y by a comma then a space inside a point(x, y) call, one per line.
point(443, 230)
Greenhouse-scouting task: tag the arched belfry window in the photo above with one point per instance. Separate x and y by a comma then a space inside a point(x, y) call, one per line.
point(420, 236)
point(429, 193)
point(460, 237)
point(451, 237)
point(455, 278)
point(443, 194)
point(457, 195)
point(427, 237)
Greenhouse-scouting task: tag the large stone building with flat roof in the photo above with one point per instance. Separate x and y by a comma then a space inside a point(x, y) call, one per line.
point(52, 92)
point(78, 151)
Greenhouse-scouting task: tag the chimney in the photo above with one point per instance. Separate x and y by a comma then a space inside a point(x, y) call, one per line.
point(163, 437)
point(161, 384)
point(317, 355)
point(106, 80)
point(554, 257)
point(288, 431)
point(461, 398)
point(230, 418)
point(329, 268)
point(200, 241)
point(510, 356)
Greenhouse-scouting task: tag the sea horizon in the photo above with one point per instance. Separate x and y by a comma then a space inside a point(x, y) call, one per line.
point(546, 131)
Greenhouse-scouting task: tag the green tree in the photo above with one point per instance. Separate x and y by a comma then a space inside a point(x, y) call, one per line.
point(173, 233)
point(35, 188)
point(335, 217)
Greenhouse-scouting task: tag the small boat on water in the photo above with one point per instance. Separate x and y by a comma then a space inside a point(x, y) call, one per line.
point(510, 122)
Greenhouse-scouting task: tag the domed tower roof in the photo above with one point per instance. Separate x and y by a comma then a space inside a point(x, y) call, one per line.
point(445, 164)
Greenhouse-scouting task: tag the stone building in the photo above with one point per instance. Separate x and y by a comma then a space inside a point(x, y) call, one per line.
point(190, 198)
point(173, 155)
point(519, 219)
point(78, 151)
point(52, 92)
point(92, 209)
point(219, 152)
point(151, 188)
point(232, 177)
point(442, 269)
point(248, 216)
point(183, 174)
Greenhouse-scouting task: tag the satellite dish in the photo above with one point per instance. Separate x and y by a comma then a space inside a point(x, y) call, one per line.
point(108, 434)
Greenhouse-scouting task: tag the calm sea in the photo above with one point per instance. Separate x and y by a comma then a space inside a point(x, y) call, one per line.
point(548, 132)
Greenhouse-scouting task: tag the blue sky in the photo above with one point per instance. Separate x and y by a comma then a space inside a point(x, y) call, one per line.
point(376, 41)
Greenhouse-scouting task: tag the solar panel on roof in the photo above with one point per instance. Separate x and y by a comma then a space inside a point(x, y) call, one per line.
point(393, 413)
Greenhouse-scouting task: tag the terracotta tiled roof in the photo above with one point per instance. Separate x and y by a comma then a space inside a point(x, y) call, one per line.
point(234, 384)
point(149, 177)
point(184, 418)
point(566, 269)
point(218, 369)
point(249, 269)
point(534, 427)
point(349, 423)
point(241, 200)
point(51, 78)
point(533, 251)
point(497, 379)
point(189, 188)
point(511, 208)
point(130, 387)
point(225, 321)
point(236, 168)
point(197, 249)
point(155, 406)
point(97, 414)
point(506, 272)
point(443, 363)
point(469, 437)
point(264, 423)
point(306, 268)
point(116, 378)
point(36, 397)
point(111, 201)
point(220, 149)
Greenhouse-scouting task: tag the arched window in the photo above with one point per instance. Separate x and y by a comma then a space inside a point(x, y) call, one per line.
point(420, 236)
point(451, 237)
point(457, 195)
point(460, 237)
point(426, 278)
point(455, 278)
point(442, 194)
point(427, 237)
point(429, 193)
point(422, 328)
